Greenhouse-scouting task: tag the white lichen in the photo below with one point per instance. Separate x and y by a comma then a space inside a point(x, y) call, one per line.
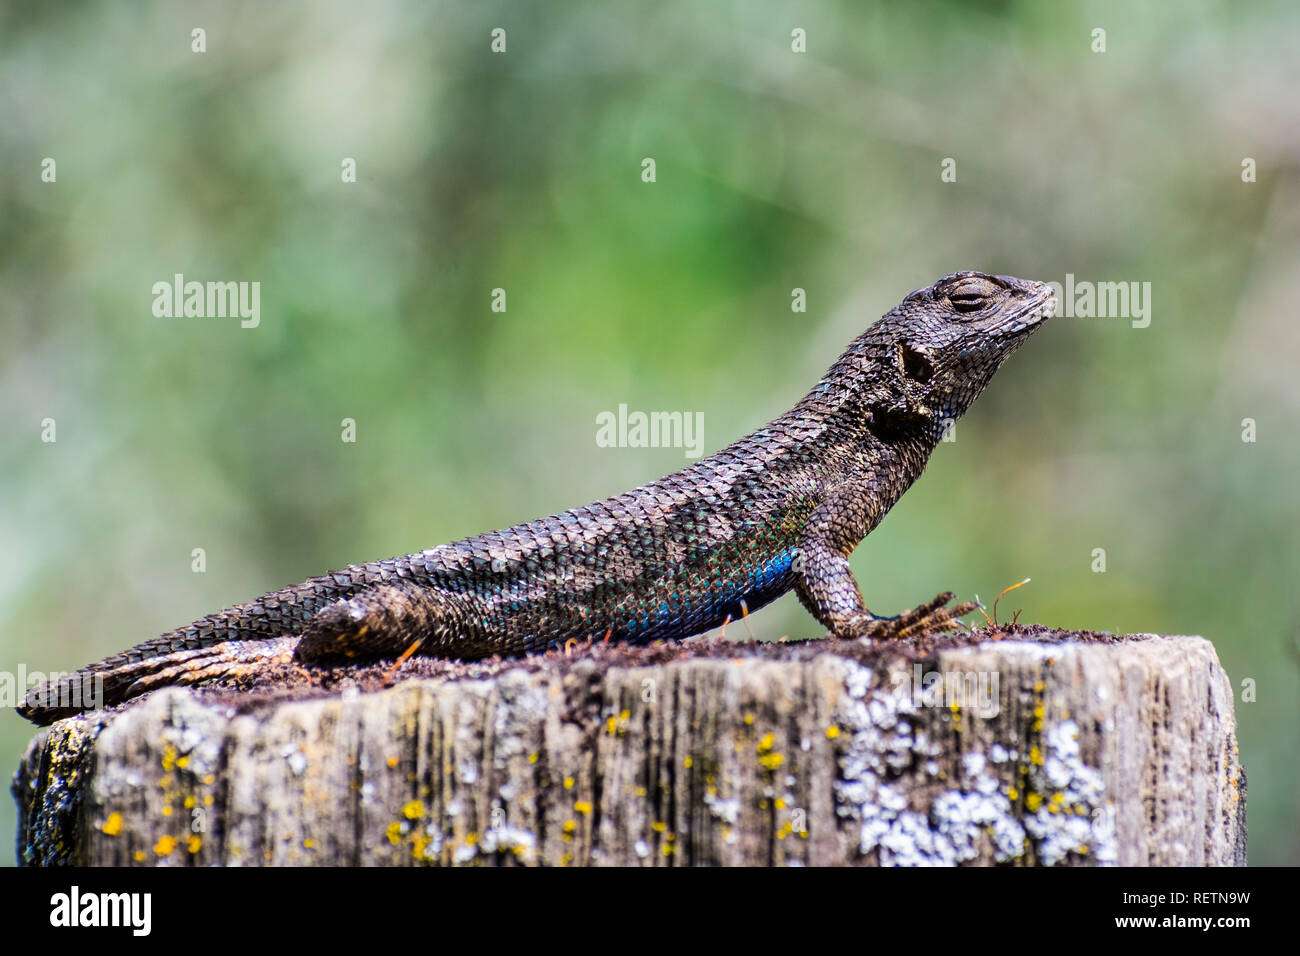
point(1074, 815)
point(975, 816)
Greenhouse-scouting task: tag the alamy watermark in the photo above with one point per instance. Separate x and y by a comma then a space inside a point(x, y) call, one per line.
point(635, 429)
point(208, 300)
point(85, 693)
point(131, 911)
point(976, 691)
point(1103, 300)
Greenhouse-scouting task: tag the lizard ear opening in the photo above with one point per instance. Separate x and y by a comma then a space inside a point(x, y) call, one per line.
point(915, 364)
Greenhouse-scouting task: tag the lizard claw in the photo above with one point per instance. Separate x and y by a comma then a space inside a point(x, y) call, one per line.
point(933, 615)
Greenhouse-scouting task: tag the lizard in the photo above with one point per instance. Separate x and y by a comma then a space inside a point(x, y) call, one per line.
point(782, 508)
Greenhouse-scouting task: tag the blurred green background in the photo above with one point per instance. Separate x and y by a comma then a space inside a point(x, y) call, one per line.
point(522, 170)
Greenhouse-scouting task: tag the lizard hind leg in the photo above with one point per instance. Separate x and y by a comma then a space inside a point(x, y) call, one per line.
point(380, 622)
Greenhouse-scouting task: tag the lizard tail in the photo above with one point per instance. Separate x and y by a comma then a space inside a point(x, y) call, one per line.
point(125, 675)
point(314, 622)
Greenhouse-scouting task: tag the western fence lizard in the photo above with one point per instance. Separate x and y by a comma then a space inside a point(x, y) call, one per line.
point(781, 508)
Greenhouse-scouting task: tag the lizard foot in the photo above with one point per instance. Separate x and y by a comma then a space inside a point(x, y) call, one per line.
point(91, 689)
point(933, 615)
point(229, 660)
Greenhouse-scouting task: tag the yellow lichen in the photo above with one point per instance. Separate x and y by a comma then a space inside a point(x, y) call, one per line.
point(113, 825)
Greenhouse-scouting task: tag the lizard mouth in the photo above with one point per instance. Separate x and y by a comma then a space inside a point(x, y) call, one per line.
point(1033, 314)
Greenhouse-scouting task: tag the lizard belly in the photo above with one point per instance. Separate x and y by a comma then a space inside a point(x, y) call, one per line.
point(696, 600)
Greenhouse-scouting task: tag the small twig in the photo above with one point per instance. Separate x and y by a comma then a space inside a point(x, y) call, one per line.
point(388, 677)
point(999, 598)
point(744, 619)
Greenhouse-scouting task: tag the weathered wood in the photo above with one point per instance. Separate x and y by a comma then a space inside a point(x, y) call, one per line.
point(1090, 751)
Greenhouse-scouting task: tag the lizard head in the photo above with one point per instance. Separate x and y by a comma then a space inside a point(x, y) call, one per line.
point(946, 341)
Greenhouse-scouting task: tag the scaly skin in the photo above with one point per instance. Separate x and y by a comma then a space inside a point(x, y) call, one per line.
point(782, 508)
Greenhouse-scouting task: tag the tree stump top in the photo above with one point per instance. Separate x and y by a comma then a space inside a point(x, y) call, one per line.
point(1022, 746)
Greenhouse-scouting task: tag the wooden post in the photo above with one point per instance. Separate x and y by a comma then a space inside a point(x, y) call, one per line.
point(1039, 748)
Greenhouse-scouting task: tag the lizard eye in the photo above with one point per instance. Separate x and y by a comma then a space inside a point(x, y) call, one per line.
point(968, 301)
point(971, 294)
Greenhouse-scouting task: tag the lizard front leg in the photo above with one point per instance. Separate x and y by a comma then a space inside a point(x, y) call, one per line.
point(827, 588)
